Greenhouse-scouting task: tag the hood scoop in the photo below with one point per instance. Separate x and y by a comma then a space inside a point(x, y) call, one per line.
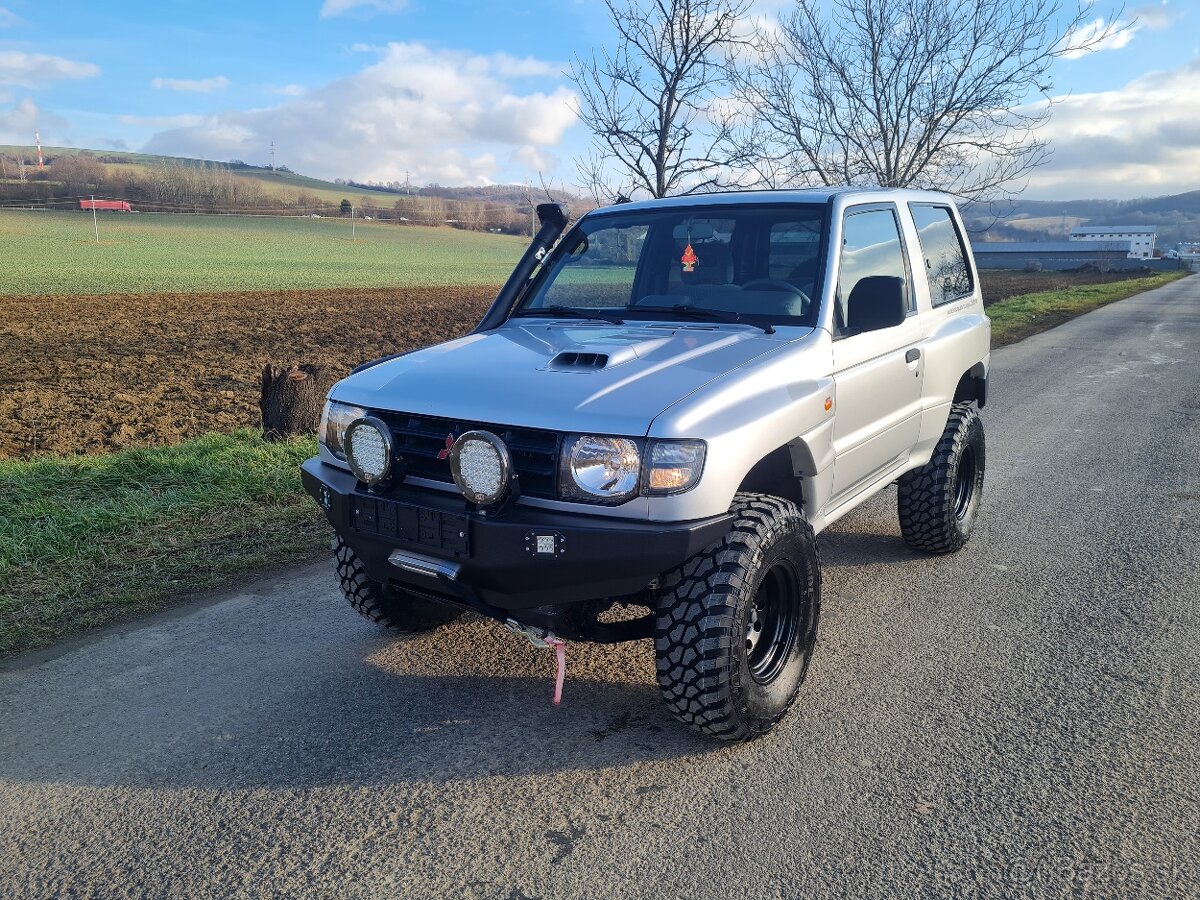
point(574, 361)
point(599, 353)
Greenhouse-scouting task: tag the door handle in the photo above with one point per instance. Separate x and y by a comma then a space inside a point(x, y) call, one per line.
point(912, 355)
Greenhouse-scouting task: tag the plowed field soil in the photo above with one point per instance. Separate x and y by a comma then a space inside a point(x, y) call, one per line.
point(86, 374)
point(97, 373)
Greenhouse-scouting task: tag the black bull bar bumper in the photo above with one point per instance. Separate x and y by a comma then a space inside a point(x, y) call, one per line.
point(430, 541)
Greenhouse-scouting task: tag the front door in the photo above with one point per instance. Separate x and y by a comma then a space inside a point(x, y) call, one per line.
point(878, 367)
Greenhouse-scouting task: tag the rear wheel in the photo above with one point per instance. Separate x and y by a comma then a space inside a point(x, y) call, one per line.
point(384, 605)
point(738, 621)
point(939, 502)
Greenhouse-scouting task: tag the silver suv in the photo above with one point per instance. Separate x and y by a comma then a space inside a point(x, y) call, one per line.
point(658, 413)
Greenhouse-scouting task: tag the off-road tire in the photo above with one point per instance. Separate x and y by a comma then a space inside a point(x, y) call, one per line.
point(707, 605)
point(939, 502)
point(385, 605)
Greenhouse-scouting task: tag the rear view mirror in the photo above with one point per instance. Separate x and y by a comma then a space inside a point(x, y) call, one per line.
point(698, 231)
point(877, 301)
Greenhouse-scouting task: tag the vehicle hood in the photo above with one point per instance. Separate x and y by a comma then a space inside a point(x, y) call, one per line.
point(518, 374)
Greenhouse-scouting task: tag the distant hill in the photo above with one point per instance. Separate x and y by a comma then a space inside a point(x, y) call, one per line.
point(283, 178)
point(1177, 217)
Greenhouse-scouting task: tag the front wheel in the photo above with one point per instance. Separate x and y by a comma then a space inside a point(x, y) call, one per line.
point(939, 502)
point(737, 622)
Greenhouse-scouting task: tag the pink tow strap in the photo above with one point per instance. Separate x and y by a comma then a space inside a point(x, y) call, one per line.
point(560, 662)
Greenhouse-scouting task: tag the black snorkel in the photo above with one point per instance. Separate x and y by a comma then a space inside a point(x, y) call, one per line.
point(553, 220)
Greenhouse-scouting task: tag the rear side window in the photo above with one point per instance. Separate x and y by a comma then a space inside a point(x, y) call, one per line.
point(870, 247)
point(945, 258)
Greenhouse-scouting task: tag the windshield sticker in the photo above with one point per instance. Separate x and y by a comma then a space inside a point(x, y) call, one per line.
point(689, 258)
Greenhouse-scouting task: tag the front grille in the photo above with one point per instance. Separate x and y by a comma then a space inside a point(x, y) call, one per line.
point(419, 439)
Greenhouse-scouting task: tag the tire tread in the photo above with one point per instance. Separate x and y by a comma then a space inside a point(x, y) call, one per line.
point(925, 498)
point(695, 629)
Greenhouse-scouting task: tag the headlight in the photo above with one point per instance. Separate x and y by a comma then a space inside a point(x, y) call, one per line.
point(600, 469)
point(335, 419)
point(673, 467)
point(369, 450)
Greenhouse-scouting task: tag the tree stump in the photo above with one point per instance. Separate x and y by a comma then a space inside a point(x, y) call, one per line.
point(292, 400)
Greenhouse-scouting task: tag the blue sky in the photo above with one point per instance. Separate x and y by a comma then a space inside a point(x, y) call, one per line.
point(461, 92)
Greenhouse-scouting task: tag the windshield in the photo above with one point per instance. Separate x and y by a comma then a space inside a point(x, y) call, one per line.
point(755, 263)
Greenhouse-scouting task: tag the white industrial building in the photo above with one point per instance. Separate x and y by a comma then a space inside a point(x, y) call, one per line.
point(1140, 237)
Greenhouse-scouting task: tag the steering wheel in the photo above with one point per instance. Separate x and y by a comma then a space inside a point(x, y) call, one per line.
point(777, 284)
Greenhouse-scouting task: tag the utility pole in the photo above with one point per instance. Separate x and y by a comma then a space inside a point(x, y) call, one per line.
point(352, 223)
point(532, 210)
point(272, 156)
point(95, 223)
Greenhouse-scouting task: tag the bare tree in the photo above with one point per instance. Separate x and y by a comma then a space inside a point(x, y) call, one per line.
point(947, 94)
point(648, 101)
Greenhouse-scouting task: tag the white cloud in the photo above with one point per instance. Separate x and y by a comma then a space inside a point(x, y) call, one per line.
point(35, 69)
point(527, 67)
point(536, 158)
point(331, 8)
point(442, 115)
point(1098, 35)
point(8, 18)
point(289, 90)
point(191, 85)
point(1157, 16)
point(18, 123)
point(1140, 140)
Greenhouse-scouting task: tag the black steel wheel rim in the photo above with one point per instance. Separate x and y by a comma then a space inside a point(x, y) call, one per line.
point(775, 623)
point(964, 486)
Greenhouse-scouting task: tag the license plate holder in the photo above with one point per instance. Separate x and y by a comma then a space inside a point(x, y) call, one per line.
point(420, 526)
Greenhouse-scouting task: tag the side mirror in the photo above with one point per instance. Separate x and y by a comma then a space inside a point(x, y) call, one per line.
point(877, 301)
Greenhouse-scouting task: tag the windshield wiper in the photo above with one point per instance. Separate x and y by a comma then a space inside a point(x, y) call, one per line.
point(572, 312)
point(711, 315)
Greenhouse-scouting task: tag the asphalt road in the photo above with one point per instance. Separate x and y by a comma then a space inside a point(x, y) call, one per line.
point(1018, 720)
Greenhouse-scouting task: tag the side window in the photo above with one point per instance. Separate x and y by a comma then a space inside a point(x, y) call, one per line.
point(872, 272)
point(945, 258)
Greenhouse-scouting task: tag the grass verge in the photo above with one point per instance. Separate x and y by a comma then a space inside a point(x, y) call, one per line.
point(1019, 317)
point(90, 540)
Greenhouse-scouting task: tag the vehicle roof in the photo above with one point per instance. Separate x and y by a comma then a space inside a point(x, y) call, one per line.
point(771, 197)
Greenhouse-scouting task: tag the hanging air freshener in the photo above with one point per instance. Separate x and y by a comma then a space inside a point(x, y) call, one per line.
point(689, 258)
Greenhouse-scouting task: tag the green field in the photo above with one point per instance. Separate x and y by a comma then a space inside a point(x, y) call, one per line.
point(55, 253)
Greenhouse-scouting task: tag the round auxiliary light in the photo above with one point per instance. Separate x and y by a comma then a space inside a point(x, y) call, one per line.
point(368, 444)
point(481, 466)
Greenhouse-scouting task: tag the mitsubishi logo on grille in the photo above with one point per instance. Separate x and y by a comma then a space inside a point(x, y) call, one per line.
point(445, 451)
